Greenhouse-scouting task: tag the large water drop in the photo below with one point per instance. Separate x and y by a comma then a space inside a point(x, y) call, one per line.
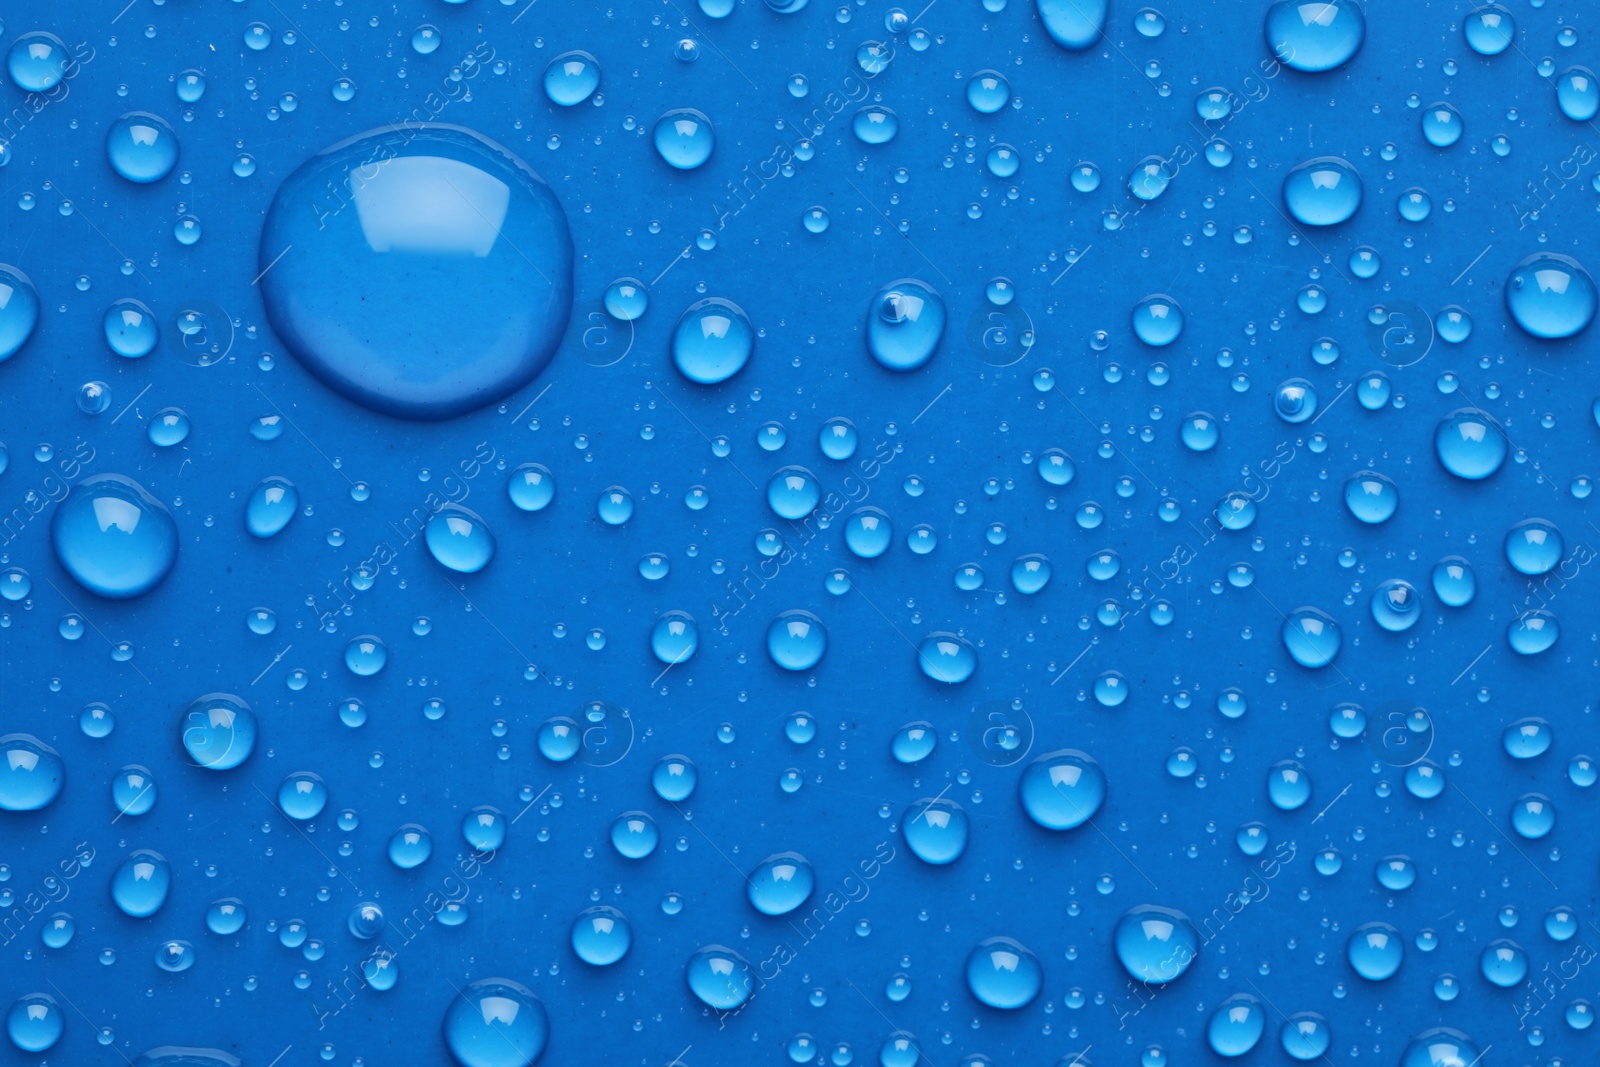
point(1470, 444)
point(1550, 296)
point(796, 640)
point(422, 272)
point(719, 977)
point(131, 328)
point(116, 539)
point(271, 506)
point(31, 773)
point(1312, 637)
point(947, 657)
point(684, 138)
point(37, 62)
point(1441, 1047)
point(905, 324)
point(1004, 973)
point(781, 883)
point(713, 341)
point(35, 1022)
point(496, 1022)
point(19, 310)
point(1315, 35)
point(459, 538)
point(1236, 1026)
point(936, 831)
point(142, 147)
point(1376, 951)
point(139, 886)
point(601, 935)
point(1155, 945)
point(1074, 24)
point(1305, 1035)
point(219, 731)
point(1063, 789)
point(1158, 320)
point(571, 78)
point(1322, 192)
point(1490, 30)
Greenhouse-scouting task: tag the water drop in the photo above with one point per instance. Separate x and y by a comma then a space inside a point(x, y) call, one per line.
point(712, 341)
point(1003, 973)
point(218, 731)
point(113, 537)
point(1075, 25)
point(140, 883)
point(458, 538)
point(1155, 945)
point(272, 504)
point(1551, 296)
point(496, 1022)
point(684, 138)
point(31, 775)
point(571, 78)
point(905, 324)
point(142, 147)
point(1063, 789)
point(1315, 36)
point(1323, 192)
point(464, 260)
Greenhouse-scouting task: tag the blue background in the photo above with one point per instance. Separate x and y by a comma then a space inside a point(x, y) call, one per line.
point(611, 410)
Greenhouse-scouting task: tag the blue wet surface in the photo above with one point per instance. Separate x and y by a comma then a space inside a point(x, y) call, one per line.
point(952, 443)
